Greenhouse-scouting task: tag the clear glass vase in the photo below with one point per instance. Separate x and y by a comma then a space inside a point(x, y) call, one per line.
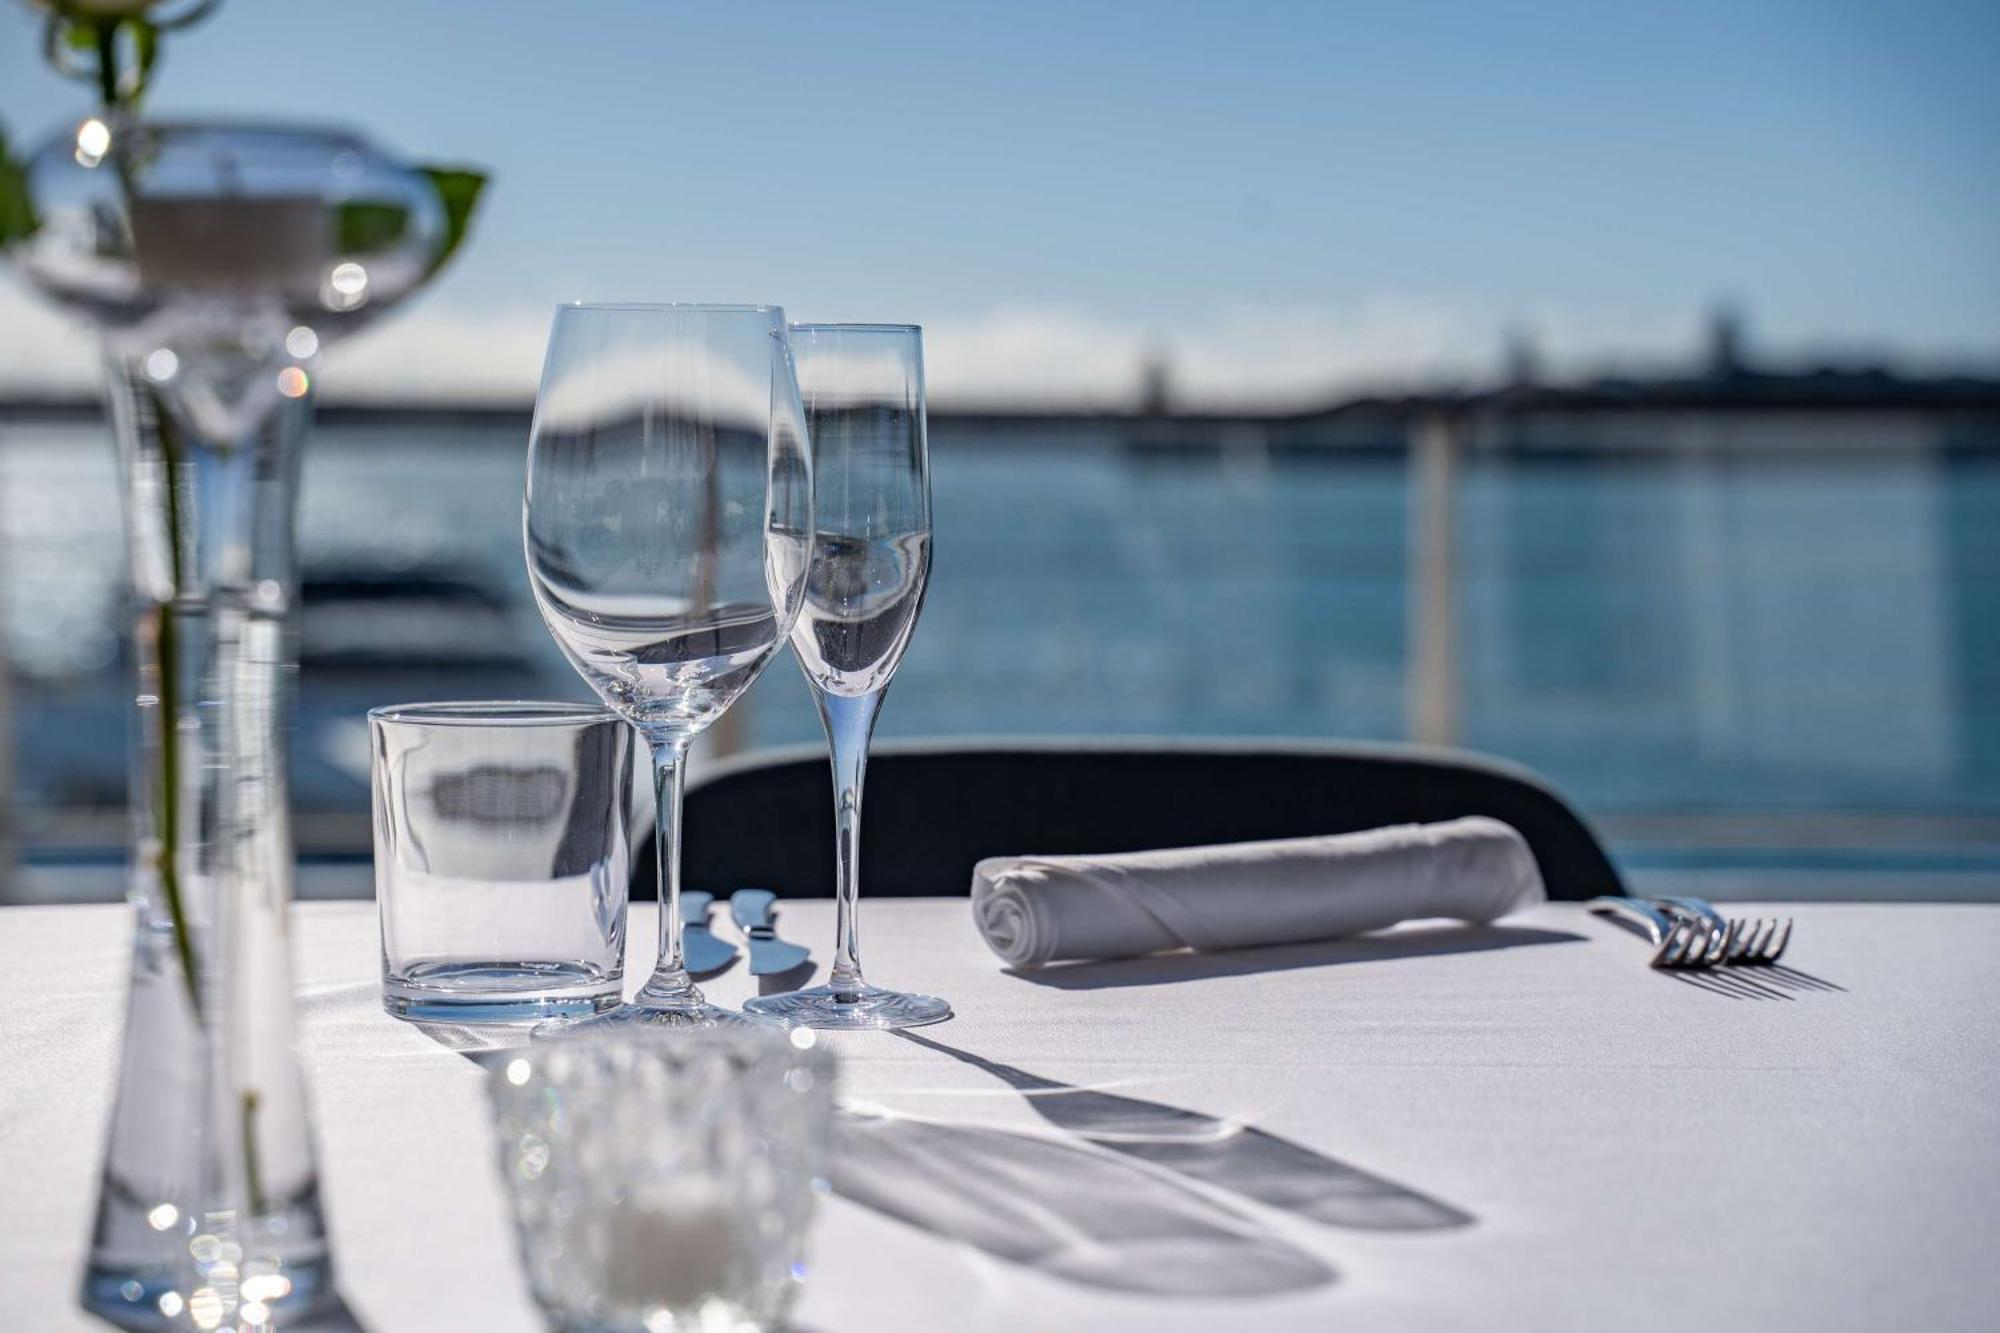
point(216, 259)
point(209, 1198)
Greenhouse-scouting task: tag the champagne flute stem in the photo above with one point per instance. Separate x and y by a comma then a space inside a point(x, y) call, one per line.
point(850, 722)
point(670, 978)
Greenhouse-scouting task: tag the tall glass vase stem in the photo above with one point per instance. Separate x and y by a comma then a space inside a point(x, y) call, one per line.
point(210, 1187)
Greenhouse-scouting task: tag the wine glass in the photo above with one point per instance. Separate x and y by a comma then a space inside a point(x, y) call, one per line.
point(863, 386)
point(667, 521)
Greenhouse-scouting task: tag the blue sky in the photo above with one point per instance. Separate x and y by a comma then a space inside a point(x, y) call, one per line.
point(1286, 199)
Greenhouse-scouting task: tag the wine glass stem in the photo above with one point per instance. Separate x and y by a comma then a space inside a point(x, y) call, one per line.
point(670, 978)
point(850, 721)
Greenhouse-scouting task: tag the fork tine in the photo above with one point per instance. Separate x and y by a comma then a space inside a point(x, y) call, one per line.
point(1740, 930)
point(1667, 942)
point(1746, 952)
point(1673, 948)
point(1732, 942)
point(1760, 948)
point(1785, 938)
point(1667, 945)
point(1694, 946)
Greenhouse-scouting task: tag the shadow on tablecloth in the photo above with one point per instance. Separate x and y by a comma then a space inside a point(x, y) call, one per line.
point(1132, 1206)
point(1163, 969)
point(1767, 981)
point(1066, 1211)
point(1128, 1205)
point(1241, 1159)
point(485, 1044)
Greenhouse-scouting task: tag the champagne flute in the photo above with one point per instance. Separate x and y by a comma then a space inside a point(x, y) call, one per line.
point(863, 386)
point(667, 520)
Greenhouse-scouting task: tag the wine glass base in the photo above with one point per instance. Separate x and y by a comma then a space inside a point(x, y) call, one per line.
point(693, 1017)
point(862, 1006)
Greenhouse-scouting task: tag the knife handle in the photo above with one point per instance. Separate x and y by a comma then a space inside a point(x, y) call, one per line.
point(752, 907)
point(694, 907)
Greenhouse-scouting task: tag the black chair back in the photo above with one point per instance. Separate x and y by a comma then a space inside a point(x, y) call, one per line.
point(932, 809)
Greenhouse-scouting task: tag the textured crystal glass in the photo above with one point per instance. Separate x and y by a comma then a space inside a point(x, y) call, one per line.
point(501, 858)
point(863, 387)
point(664, 1180)
point(666, 523)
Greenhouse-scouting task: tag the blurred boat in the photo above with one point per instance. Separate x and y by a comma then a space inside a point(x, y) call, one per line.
point(368, 636)
point(368, 621)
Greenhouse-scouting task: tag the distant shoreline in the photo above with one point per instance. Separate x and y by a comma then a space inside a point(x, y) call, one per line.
point(1831, 390)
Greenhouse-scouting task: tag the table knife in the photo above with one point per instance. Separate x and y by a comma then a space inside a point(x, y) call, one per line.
point(752, 909)
point(700, 950)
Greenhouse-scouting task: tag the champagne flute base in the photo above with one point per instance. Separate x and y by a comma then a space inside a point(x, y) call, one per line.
point(859, 1006)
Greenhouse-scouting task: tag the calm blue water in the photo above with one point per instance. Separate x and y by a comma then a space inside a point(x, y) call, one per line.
point(1690, 633)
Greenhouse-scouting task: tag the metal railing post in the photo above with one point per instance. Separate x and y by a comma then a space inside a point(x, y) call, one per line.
point(1432, 687)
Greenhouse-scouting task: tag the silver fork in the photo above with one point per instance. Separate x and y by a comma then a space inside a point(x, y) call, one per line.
point(1748, 942)
point(1681, 941)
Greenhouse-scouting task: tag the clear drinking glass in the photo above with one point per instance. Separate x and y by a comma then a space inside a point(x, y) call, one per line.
point(661, 1181)
point(501, 859)
point(667, 522)
point(863, 386)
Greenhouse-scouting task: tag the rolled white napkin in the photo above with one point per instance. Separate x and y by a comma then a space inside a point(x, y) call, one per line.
point(1042, 909)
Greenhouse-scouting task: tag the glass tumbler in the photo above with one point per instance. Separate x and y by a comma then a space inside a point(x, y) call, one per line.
point(665, 1179)
point(501, 858)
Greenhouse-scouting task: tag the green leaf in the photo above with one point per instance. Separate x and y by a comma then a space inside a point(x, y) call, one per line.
point(83, 41)
point(145, 50)
point(362, 228)
point(17, 209)
point(458, 190)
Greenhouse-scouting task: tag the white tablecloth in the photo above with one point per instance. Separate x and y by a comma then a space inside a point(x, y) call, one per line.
point(1521, 1127)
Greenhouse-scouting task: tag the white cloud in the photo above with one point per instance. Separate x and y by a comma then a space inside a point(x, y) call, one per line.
point(1242, 354)
point(1300, 353)
point(1028, 353)
point(449, 353)
point(422, 354)
point(1276, 355)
